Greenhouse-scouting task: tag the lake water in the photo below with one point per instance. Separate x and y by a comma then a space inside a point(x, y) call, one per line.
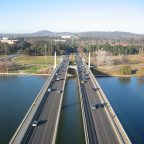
point(70, 126)
point(16, 96)
point(126, 96)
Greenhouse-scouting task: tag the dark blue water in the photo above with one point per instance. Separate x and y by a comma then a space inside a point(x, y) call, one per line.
point(16, 96)
point(126, 96)
point(70, 126)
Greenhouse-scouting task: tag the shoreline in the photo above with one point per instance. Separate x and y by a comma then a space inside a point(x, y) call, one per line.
point(23, 74)
point(68, 75)
point(117, 76)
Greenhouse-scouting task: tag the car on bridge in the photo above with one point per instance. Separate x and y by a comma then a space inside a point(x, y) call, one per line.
point(59, 91)
point(93, 106)
point(101, 105)
point(34, 123)
point(57, 79)
point(49, 89)
point(82, 82)
point(95, 89)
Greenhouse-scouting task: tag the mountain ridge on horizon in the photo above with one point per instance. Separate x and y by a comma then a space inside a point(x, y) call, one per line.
point(45, 33)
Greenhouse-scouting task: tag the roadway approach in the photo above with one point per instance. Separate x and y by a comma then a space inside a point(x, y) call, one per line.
point(100, 128)
point(45, 109)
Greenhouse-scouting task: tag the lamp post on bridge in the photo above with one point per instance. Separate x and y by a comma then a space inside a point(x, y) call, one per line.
point(55, 59)
point(89, 60)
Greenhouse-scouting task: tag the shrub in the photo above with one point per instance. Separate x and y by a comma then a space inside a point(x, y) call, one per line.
point(125, 70)
point(140, 72)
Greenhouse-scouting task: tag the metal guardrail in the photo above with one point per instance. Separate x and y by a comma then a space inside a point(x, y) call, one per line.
point(16, 139)
point(83, 112)
point(110, 112)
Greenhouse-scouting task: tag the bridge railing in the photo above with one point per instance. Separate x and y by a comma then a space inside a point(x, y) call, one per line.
point(17, 137)
point(110, 112)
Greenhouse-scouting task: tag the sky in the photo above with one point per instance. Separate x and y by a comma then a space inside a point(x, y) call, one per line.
point(26, 16)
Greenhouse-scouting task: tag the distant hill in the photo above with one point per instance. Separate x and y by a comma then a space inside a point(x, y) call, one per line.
point(42, 33)
point(110, 35)
point(94, 34)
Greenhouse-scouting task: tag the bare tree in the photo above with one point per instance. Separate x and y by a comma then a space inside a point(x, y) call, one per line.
point(103, 57)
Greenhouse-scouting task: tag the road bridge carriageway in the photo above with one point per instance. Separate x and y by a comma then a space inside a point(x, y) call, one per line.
point(40, 124)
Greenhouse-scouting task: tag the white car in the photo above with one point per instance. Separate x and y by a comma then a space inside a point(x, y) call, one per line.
point(49, 90)
point(57, 79)
point(34, 123)
point(82, 81)
point(93, 106)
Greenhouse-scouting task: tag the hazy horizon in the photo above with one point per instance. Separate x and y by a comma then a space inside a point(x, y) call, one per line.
point(65, 32)
point(72, 16)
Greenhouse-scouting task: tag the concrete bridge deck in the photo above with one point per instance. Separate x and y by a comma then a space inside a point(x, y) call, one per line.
point(45, 109)
point(102, 124)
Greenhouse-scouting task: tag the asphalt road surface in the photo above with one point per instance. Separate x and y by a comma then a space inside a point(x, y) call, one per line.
point(43, 133)
point(9, 57)
point(100, 129)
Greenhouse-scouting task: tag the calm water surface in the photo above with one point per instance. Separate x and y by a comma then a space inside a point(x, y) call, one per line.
point(71, 127)
point(16, 96)
point(126, 96)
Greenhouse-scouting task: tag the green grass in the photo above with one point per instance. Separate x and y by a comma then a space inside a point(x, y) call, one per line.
point(30, 69)
point(23, 59)
point(2, 56)
point(34, 69)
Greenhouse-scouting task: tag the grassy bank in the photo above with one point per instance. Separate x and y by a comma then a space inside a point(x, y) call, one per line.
point(34, 64)
point(24, 59)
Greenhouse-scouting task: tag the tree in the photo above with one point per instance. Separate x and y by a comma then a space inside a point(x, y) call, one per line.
point(140, 72)
point(125, 70)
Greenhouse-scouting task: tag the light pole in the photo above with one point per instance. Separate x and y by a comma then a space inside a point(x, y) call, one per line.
point(89, 60)
point(45, 49)
point(6, 59)
point(55, 59)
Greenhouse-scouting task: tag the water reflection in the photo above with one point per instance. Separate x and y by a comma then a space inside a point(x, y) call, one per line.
point(126, 96)
point(125, 80)
point(16, 95)
point(70, 126)
point(140, 80)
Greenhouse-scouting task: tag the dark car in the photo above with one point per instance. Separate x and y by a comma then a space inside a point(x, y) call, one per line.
point(97, 106)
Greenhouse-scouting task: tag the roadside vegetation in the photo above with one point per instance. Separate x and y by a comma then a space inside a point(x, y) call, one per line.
point(125, 70)
point(35, 64)
point(108, 56)
point(140, 72)
point(36, 55)
point(119, 66)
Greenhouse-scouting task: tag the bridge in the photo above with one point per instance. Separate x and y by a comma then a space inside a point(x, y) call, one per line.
point(101, 125)
point(45, 109)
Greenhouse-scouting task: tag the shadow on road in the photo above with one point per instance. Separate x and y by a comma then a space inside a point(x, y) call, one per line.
point(41, 122)
point(70, 105)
